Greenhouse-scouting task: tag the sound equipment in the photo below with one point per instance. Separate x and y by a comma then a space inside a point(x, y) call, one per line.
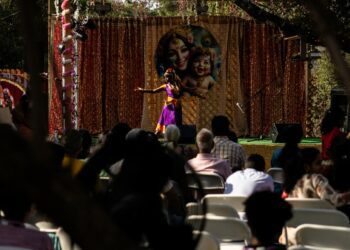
point(279, 130)
point(188, 134)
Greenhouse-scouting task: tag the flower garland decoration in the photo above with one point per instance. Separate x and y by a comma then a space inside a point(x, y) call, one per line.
point(68, 72)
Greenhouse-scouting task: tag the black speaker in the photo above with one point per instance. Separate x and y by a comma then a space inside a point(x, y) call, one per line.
point(188, 134)
point(279, 131)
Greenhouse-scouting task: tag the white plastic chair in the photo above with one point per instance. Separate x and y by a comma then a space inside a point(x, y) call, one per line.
point(212, 210)
point(327, 217)
point(298, 247)
point(64, 239)
point(237, 202)
point(209, 181)
point(310, 203)
point(323, 236)
point(211, 184)
point(223, 228)
point(206, 241)
point(277, 174)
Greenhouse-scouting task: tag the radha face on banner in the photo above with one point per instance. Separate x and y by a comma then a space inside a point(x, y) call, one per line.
point(176, 49)
point(178, 54)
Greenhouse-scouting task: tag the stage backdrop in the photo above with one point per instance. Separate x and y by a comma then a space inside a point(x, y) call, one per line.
point(249, 64)
point(218, 35)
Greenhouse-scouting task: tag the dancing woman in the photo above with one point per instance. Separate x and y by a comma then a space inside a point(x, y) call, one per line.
point(172, 111)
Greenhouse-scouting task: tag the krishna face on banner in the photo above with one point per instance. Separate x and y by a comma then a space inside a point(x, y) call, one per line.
point(195, 55)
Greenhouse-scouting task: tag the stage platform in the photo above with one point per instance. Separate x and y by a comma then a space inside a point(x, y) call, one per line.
point(265, 147)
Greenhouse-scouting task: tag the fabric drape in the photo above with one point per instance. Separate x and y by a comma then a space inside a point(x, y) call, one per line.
point(110, 68)
point(274, 85)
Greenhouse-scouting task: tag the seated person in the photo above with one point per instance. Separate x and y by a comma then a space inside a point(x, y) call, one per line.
point(305, 180)
point(267, 214)
point(206, 162)
point(251, 179)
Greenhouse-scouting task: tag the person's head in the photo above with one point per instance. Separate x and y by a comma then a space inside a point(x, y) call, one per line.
point(334, 117)
point(174, 49)
point(170, 75)
point(205, 141)
point(86, 143)
point(145, 166)
point(172, 133)
point(256, 162)
point(292, 134)
point(73, 142)
point(267, 214)
point(220, 125)
point(201, 62)
point(312, 159)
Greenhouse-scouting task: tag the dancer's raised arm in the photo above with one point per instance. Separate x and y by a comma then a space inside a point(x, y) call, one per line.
point(156, 90)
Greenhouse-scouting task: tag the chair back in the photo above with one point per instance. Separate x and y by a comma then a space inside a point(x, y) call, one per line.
point(211, 184)
point(206, 241)
point(277, 174)
point(223, 228)
point(310, 203)
point(327, 217)
point(235, 201)
point(212, 210)
point(323, 236)
point(209, 181)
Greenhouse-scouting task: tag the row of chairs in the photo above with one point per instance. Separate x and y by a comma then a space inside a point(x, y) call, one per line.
point(212, 183)
point(308, 237)
point(225, 211)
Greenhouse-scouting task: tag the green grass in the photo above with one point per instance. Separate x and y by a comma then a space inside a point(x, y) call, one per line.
point(267, 141)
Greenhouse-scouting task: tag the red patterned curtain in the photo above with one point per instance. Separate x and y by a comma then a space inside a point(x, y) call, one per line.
point(55, 87)
point(274, 85)
point(111, 66)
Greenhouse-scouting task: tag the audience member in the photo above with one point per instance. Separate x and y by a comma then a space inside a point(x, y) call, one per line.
point(136, 195)
point(175, 152)
point(225, 148)
point(86, 144)
point(72, 144)
point(111, 151)
point(304, 180)
point(339, 171)
point(330, 128)
point(172, 136)
point(206, 162)
point(251, 179)
point(267, 214)
point(292, 136)
point(21, 116)
point(15, 199)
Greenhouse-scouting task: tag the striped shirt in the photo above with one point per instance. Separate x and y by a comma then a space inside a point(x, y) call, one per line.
point(317, 186)
point(228, 150)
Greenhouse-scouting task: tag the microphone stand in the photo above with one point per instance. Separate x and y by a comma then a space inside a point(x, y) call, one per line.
point(260, 93)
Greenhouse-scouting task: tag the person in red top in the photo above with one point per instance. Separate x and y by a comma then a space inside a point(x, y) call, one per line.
point(330, 128)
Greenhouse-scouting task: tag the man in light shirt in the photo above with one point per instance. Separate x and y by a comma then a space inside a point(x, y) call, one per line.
point(205, 162)
point(251, 179)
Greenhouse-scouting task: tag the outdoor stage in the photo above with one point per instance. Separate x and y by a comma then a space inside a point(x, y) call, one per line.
point(265, 147)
